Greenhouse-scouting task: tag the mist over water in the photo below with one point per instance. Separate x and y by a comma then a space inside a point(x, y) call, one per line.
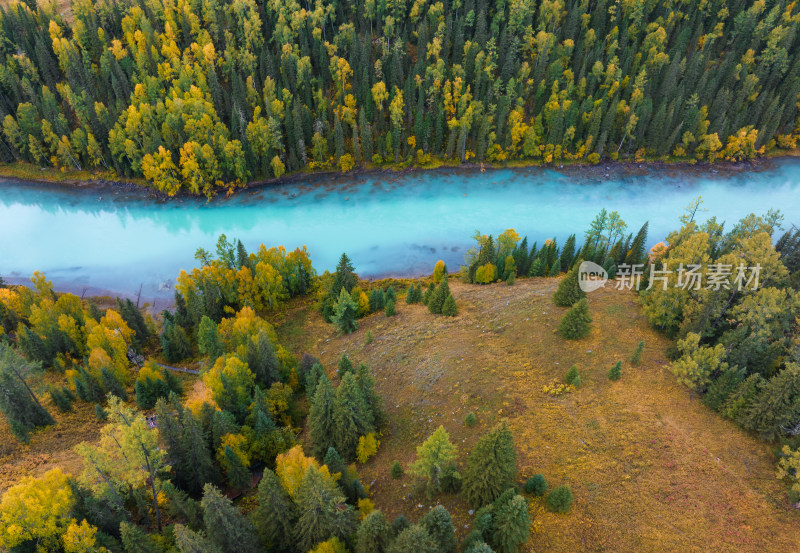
point(388, 224)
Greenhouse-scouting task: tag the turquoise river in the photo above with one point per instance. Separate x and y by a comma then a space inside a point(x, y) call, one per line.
point(103, 239)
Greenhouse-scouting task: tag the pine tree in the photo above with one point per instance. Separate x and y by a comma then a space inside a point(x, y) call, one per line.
point(426, 297)
point(572, 377)
point(411, 294)
point(390, 294)
point(351, 417)
point(511, 524)
point(323, 513)
point(438, 298)
point(569, 291)
point(777, 406)
point(491, 466)
point(238, 475)
point(313, 378)
point(345, 313)
point(449, 308)
point(189, 541)
point(225, 526)
point(136, 540)
point(276, 514)
point(637, 252)
point(345, 366)
point(375, 300)
point(374, 534)
point(261, 359)
point(390, 309)
point(344, 277)
point(567, 254)
point(615, 372)
point(208, 341)
point(321, 418)
point(576, 323)
point(636, 357)
point(414, 539)
point(197, 466)
point(175, 343)
point(366, 384)
point(439, 526)
point(17, 401)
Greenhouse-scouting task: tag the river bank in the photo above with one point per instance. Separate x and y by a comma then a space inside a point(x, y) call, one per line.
point(106, 181)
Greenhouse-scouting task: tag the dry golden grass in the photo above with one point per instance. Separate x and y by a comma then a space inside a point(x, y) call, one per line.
point(651, 468)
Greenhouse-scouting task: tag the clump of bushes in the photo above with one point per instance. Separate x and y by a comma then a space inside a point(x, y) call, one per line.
point(615, 372)
point(440, 300)
point(536, 485)
point(397, 470)
point(572, 378)
point(560, 499)
point(636, 357)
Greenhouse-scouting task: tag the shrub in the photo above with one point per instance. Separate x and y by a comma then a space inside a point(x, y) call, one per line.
point(576, 323)
point(369, 338)
point(636, 357)
point(100, 413)
point(367, 447)
point(470, 420)
point(396, 470)
point(537, 485)
point(615, 372)
point(511, 278)
point(572, 377)
point(449, 307)
point(486, 274)
point(390, 309)
point(560, 499)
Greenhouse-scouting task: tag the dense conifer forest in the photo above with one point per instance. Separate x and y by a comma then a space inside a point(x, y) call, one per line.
point(202, 95)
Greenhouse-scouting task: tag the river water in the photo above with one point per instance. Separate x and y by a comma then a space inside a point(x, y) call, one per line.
point(99, 239)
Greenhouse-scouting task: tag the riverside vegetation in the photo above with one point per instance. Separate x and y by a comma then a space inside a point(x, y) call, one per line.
point(202, 96)
point(300, 447)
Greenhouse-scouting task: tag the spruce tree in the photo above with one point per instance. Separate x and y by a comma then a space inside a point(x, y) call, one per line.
point(345, 313)
point(390, 308)
point(136, 540)
point(439, 526)
point(414, 539)
point(323, 513)
point(17, 401)
point(225, 526)
point(312, 379)
point(351, 416)
point(197, 466)
point(238, 475)
point(275, 515)
point(438, 297)
point(344, 277)
point(374, 534)
point(426, 297)
point(777, 406)
point(576, 323)
point(189, 541)
point(567, 254)
point(261, 359)
point(449, 308)
point(491, 466)
point(345, 366)
point(637, 252)
point(366, 384)
point(511, 525)
point(321, 418)
point(208, 341)
point(615, 372)
point(375, 300)
point(568, 292)
point(572, 377)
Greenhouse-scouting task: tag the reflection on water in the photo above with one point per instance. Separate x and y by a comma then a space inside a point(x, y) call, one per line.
point(387, 223)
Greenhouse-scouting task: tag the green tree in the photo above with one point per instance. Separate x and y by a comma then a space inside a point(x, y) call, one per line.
point(572, 377)
point(414, 539)
point(275, 515)
point(511, 525)
point(433, 457)
point(345, 313)
point(323, 513)
point(776, 408)
point(321, 422)
point(559, 500)
point(491, 466)
point(576, 323)
point(568, 292)
point(438, 297)
point(352, 417)
point(615, 372)
point(17, 401)
point(225, 526)
point(374, 534)
point(439, 526)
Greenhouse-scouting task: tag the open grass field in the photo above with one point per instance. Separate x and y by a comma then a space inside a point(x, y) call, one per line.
point(651, 468)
